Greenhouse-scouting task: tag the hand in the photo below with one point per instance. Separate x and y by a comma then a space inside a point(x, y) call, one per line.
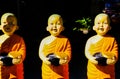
point(63, 61)
point(1, 63)
point(93, 60)
point(111, 61)
point(17, 60)
point(46, 61)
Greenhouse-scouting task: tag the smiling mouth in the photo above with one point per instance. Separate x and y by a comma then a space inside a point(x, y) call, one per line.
point(101, 29)
point(54, 30)
point(7, 29)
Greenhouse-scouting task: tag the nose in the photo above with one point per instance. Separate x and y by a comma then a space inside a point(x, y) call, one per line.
point(55, 25)
point(10, 24)
point(101, 24)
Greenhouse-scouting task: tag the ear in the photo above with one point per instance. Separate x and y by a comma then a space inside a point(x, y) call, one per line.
point(0, 27)
point(94, 28)
point(110, 27)
point(17, 27)
point(47, 28)
point(63, 28)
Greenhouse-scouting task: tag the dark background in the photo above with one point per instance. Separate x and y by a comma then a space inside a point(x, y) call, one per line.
point(32, 18)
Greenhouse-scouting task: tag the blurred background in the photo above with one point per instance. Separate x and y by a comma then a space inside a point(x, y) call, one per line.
point(32, 18)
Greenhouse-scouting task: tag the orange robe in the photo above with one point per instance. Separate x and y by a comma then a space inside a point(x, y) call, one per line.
point(59, 46)
point(16, 46)
point(107, 45)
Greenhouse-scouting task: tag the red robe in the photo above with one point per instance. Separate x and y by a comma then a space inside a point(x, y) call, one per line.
point(16, 46)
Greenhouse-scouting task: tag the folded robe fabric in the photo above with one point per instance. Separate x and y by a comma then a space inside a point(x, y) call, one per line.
point(106, 46)
point(16, 46)
point(60, 46)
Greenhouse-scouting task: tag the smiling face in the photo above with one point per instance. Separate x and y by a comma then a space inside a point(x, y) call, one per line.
point(55, 25)
point(102, 24)
point(8, 24)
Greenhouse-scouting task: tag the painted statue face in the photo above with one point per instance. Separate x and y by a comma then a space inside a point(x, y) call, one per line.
point(55, 25)
point(101, 24)
point(8, 24)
